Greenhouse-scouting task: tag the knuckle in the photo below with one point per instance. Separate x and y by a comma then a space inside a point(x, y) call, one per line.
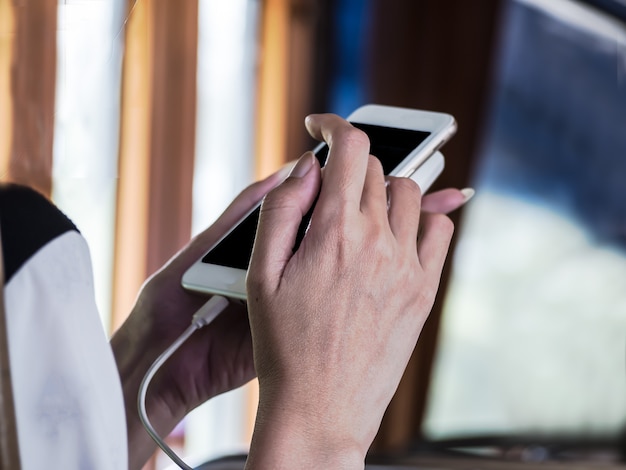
point(342, 233)
point(374, 244)
point(253, 280)
point(384, 249)
point(254, 283)
point(426, 294)
point(346, 242)
point(253, 188)
point(354, 137)
point(407, 185)
point(375, 165)
point(277, 198)
point(443, 223)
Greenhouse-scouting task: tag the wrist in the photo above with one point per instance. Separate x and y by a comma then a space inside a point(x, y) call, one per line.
point(288, 436)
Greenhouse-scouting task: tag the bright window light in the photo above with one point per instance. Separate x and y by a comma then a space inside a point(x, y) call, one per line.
point(86, 128)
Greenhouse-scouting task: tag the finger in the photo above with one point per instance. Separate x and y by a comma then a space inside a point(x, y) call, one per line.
point(374, 197)
point(404, 209)
point(446, 200)
point(434, 241)
point(346, 167)
point(249, 198)
point(281, 215)
point(236, 210)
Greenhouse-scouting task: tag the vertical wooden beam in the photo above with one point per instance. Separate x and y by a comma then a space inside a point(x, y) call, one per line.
point(157, 143)
point(303, 17)
point(295, 54)
point(131, 231)
point(33, 81)
point(7, 36)
point(173, 132)
point(324, 55)
point(271, 121)
point(432, 55)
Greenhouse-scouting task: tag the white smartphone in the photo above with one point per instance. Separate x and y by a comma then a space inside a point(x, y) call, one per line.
point(406, 141)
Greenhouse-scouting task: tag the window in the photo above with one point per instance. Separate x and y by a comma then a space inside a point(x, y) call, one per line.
point(533, 338)
point(89, 59)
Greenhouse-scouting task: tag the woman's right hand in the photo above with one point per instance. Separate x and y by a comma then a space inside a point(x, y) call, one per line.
point(334, 324)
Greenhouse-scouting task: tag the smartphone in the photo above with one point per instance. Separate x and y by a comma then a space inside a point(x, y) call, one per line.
point(406, 141)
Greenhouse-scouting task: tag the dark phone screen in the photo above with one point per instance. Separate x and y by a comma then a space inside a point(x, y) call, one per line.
point(390, 145)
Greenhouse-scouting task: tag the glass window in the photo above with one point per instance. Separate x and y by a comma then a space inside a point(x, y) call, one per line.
point(89, 65)
point(533, 337)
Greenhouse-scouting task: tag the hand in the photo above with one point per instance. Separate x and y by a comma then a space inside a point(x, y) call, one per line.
point(215, 359)
point(334, 324)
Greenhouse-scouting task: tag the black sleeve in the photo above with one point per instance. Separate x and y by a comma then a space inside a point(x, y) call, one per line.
point(28, 221)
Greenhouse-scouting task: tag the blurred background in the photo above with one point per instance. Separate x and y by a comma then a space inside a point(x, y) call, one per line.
point(142, 119)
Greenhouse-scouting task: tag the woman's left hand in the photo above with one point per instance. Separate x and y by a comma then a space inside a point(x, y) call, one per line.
point(216, 359)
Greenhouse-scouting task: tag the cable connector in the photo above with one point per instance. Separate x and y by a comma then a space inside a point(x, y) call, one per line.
point(205, 315)
point(209, 311)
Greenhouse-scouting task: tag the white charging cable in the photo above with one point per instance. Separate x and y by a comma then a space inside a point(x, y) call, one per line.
point(205, 315)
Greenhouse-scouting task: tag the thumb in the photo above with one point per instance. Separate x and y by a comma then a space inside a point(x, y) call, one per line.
point(281, 214)
point(201, 243)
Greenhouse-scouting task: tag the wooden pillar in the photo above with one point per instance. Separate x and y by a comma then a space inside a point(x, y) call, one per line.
point(304, 17)
point(271, 120)
point(295, 39)
point(433, 55)
point(131, 230)
point(157, 143)
point(7, 36)
point(32, 90)
point(173, 134)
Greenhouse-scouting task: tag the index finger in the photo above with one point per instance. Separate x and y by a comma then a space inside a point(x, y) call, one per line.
point(348, 158)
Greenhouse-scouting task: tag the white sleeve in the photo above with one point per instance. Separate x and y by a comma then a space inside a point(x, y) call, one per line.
point(68, 398)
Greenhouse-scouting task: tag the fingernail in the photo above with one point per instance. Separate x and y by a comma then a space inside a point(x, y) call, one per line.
point(303, 166)
point(308, 121)
point(468, 193)
point(285, 171)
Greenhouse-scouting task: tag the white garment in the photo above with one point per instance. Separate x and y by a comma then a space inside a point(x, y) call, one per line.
point(68, 397)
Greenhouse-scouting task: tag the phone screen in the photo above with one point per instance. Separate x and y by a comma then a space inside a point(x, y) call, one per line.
point(390, 145)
